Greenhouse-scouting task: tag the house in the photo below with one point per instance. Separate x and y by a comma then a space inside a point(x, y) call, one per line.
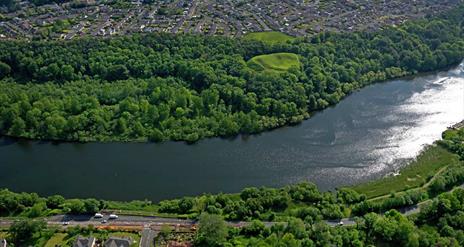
point(84, 242)
point(3, 243)
point(118, 242)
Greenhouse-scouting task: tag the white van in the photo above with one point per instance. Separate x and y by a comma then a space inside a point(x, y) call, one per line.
point(113, 216)
point(98, 215)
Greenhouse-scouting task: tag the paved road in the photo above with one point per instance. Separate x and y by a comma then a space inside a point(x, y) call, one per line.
point(154, 223)
point(148, 236)
point(344, 222)
point(123, 220)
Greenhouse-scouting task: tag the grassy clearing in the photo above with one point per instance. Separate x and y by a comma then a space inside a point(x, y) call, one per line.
point(57, 240)
point(418, 173)
point(269, 37)
point(279, 62)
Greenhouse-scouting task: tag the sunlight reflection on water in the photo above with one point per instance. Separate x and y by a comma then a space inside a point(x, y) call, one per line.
point(436, 108)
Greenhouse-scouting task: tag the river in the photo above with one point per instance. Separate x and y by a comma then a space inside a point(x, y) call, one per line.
point(371, 133)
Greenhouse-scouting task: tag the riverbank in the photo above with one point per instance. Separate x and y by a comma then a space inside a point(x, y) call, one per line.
point(433, 164)
point(331, 149)
point(431, 160)
point(253, 208)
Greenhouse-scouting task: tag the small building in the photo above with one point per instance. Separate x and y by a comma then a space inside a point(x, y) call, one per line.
point(84, 242)
point(118, 242)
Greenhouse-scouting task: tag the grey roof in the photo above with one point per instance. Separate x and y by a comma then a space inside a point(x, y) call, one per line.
point(84, 242)
point(117, 242)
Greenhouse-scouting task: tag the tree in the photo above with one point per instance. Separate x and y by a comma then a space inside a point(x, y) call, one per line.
point(117, 72)
point(18, 126)
point(55, 201)
point(75, 206)
point(23, 232)
point(91, 206)
point(5, 70)
point(256, 228)
point(185, 205)
point(156, 135)
point(212, 231)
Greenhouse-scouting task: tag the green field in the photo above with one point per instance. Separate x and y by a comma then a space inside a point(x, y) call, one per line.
point(279, 62)
point(269, 37)
point(419, 172)
point(57, 240)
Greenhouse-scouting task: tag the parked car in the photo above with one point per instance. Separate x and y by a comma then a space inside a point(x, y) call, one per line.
point(65, 223)
point(98, 215)
point(113, 216)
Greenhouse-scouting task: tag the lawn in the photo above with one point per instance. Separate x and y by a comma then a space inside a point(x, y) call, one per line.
point(57, 240)
point(269, 37)
point(416, 174)
point(278, 62)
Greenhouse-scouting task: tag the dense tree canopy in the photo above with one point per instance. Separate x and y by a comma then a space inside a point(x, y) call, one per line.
point(181, 87)
point(24, 232)
point(212, 231)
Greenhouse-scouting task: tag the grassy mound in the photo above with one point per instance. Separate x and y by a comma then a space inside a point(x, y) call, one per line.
point(269, 37)
point(279, 62)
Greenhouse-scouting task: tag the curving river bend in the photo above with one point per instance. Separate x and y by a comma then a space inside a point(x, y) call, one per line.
point(369, 134)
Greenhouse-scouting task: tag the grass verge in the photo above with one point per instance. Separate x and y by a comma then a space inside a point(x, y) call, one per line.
point(57, 240)
point(418, 173)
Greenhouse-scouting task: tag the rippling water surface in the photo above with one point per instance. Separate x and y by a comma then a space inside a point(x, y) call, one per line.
point(369, 134)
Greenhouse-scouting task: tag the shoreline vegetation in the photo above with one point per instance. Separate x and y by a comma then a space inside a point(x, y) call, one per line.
point(418, 172)
point(161, 87)
point(434, 178)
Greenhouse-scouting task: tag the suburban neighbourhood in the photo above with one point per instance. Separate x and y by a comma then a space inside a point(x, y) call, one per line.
point(224, 17)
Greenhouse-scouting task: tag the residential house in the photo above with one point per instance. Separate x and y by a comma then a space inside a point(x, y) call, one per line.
point(84, 242)
point(118, 242)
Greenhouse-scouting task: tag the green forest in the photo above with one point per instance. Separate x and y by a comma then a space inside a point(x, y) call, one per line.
point(160, 87)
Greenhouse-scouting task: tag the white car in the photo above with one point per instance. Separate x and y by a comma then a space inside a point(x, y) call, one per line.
point(113, 216)
point(65, 223)
point(98, 215)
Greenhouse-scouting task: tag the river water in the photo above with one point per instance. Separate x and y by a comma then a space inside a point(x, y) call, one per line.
point(369, 134)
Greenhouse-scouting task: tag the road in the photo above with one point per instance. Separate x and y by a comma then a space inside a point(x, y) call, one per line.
point(148, 236)
point(155, 223)
point(123, 220)
point(151, 225)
